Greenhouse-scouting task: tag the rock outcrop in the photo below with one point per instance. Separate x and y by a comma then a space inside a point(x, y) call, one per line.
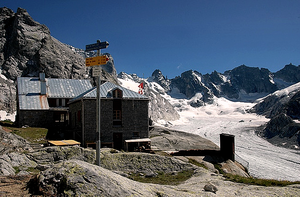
point(171, 140)
point(78, 178)
point(160, 79)
point(290, 73)
point(283, 107)
point(190, 83)
point(28, 48)
point(10, 142)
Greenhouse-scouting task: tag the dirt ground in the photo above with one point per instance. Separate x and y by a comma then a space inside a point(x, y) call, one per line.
point(14, 186)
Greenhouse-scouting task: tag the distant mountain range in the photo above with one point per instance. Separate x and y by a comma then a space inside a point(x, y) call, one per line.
point(27, 48)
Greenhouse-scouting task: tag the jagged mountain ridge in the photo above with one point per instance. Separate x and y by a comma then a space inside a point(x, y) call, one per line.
point(243, 83)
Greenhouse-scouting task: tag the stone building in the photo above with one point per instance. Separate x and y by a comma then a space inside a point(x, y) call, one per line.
point(43, 102)
point(124, 117)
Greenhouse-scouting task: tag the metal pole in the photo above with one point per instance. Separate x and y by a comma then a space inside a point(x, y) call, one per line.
point(98, 144)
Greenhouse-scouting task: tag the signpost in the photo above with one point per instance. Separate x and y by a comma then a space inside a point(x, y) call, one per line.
point(97, 61)
point(97, 46)
point(96, 71)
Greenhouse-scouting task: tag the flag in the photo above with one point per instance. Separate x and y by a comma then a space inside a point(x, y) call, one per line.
point(141, 88)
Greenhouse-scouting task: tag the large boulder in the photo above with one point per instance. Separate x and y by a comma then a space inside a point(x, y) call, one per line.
point(55, 154)
point(78, 178)
point(13, 163)
point(171, 140)
point(147, 164)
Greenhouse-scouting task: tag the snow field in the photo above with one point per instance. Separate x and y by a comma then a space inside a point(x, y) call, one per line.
point(265, 160)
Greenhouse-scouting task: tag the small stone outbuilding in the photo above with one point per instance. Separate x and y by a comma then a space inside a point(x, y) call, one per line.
point(124, 116)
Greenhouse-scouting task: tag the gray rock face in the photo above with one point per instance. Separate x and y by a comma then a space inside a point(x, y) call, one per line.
point(27, 48)
point(171, 140)
point(231, 167)
point(190, 83)
point(290, 73)
point(158, 77)
point(12, 143)
point(283, 109)
point(276, 124)
point(11, 160)
point(147, 164)
point(77, 178)
point(252, 79)
point(56, 154)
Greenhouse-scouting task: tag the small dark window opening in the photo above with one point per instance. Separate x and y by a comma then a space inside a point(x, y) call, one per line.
point(56, 102)
point(60, 117)
point(79, 116)
point(117, 93)
point(117, 112)
point(52, 102)
point(136, 134)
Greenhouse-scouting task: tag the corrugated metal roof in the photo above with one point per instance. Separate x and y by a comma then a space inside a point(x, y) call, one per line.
point(105, 92)
point(66, 88)
point(33, 102)
point(28, 85)
point(29, 89)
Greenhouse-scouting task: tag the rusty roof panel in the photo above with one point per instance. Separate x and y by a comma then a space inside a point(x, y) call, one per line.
point(33, 102)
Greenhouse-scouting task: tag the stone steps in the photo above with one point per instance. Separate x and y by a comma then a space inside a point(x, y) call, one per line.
point(36, 146)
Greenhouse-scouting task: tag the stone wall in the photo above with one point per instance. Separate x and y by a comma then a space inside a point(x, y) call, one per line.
point(34, 118)
point(134, 120)
point(75, 124)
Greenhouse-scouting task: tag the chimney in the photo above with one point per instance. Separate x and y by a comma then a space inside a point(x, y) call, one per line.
point(227, 146)
point(43, 83)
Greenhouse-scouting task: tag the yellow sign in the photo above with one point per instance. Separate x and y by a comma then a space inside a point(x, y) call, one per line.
point(95, 61)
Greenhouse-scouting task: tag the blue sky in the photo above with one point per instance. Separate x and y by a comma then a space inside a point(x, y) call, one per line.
point(177, 35)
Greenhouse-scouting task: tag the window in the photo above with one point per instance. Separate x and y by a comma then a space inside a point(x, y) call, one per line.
point(117, 111)
point(62, 117)
point(59, 117)
point(63, 102)
point(136, 134)
point(117, 115)
point(57, 102)
point(117, 93)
